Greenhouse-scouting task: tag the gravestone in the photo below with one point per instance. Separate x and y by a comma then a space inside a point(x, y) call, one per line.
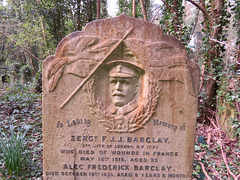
point(119, 102)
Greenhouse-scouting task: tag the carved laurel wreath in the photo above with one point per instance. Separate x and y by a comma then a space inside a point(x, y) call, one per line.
point(137, 121)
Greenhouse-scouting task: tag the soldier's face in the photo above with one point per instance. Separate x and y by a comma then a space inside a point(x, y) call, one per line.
point(123, 90)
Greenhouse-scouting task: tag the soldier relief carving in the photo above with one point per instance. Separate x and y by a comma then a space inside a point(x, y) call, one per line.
point(132, 94)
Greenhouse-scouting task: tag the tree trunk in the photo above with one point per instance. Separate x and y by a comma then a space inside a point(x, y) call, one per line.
point(134, 8)
point(212, 19)
point(143, 10)
point(89, 10)
point(98, 9)
point(79, 23)
point(214, 52)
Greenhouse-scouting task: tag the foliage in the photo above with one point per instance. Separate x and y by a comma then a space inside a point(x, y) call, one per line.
point(38, 26)
point(235, 8)
point(16, 68)
point(13, 150)
point(63, 17)
point(211, 55)
point(20, 107)
point(172, 23)
point(26, 73)
point(20, 29)
point(228, 99)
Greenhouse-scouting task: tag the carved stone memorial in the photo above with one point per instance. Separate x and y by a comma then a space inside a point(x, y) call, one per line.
point(119, 102)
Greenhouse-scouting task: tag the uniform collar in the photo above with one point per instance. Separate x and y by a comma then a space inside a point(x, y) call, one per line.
point(131, 106)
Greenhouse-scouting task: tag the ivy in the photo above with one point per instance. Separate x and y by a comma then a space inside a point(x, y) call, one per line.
point(172, 21)
point(21, 132)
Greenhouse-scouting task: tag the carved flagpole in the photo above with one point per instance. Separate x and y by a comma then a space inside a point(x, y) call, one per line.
point(94, 70)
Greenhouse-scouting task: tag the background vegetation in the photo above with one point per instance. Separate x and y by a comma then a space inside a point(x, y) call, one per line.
point(31, 29)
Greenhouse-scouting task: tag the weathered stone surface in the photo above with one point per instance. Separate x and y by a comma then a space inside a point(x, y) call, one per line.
point(119, 102)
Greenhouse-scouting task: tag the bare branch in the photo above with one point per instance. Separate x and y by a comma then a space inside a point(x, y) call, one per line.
point(225, 158)
point(155, 15)
point(209, 136)
point(199, 7)
point(21, 46)
point(236, 50)
point(204, 170)
point(224, 43)
point(212, 122)
point(170, 9)
point(238, 108)
point(238, 59)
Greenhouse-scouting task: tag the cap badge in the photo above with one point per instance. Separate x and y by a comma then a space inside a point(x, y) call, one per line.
point(119, 68)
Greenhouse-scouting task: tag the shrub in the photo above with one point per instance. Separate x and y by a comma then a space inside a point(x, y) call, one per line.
point(26, 73)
